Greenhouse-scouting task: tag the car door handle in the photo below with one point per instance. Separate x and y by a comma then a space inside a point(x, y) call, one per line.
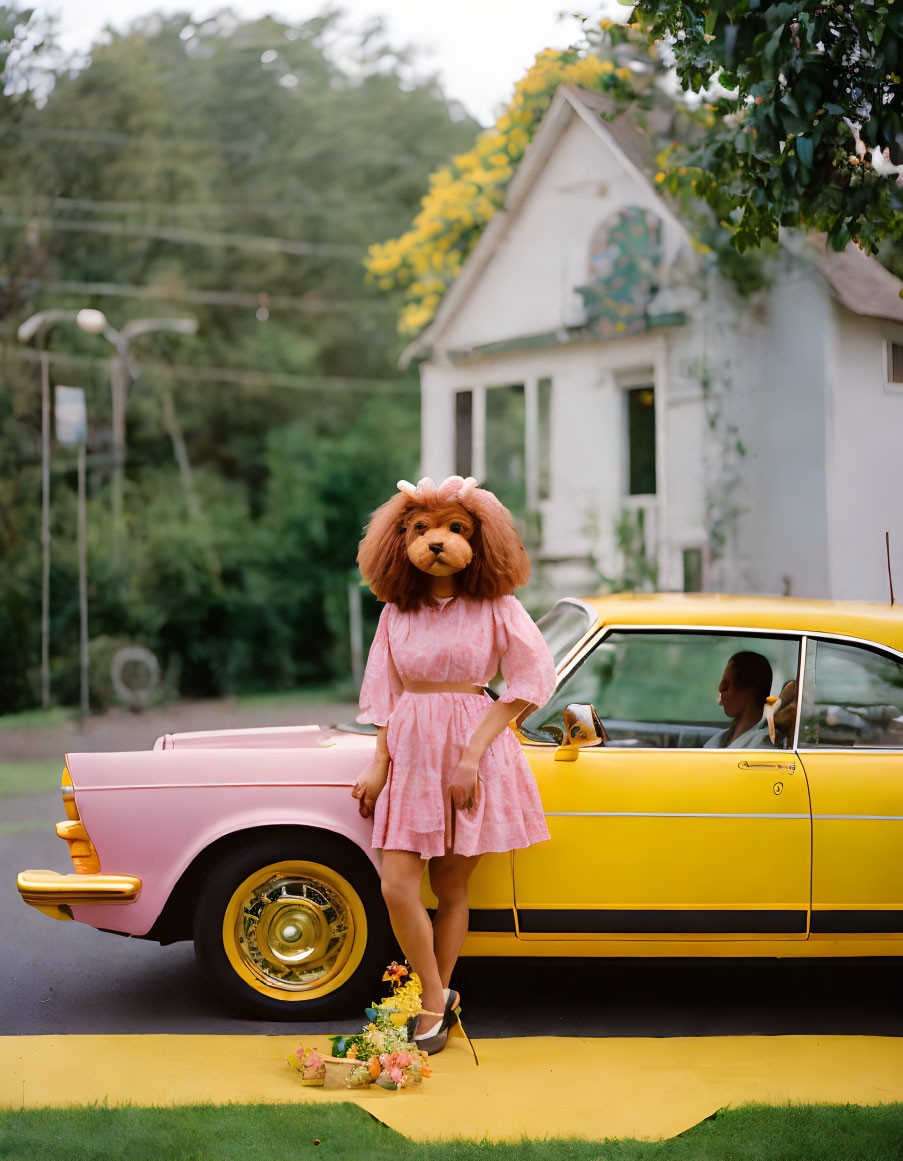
point(787, 767)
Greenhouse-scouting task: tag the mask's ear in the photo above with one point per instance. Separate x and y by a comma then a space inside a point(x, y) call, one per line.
point(381, 554)
point(500, 562)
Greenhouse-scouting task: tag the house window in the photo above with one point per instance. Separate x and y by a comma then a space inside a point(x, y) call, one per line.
point(895, 363)
point(463, 433)
point(692, 570)
point(544, 439)
point(506, 446)
point(641, 441)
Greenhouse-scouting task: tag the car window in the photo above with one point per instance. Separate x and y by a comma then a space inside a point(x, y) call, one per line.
point(660, 688)
point(853, 696)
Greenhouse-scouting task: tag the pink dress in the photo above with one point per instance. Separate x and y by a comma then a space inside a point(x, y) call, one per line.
point(461, 640)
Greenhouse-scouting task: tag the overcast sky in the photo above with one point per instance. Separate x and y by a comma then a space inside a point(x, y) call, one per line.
point(478, 47)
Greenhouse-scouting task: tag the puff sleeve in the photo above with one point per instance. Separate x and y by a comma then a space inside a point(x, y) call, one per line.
point(526, 663)
point(381, 687)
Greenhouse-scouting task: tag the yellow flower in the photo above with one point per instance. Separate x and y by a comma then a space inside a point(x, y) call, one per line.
point(659, 178)
point(466, 160)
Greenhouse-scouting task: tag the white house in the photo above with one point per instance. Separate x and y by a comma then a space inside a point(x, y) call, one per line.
point(643, 419)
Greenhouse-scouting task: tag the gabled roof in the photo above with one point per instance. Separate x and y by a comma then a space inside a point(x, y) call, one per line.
point(861, 283)
point(619, 134)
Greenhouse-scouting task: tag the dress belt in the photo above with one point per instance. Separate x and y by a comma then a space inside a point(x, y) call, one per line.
point(441, 687)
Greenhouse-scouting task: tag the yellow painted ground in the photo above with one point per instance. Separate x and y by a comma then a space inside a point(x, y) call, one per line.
point(537, 1086)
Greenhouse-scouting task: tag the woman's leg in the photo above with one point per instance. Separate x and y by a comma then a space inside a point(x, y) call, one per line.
point(401, 875)
point(449, 875)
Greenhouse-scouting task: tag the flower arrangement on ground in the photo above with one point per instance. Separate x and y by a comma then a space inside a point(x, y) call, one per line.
point(382, 1053)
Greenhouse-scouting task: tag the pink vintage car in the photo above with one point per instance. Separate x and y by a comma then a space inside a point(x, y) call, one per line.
point(246, 841)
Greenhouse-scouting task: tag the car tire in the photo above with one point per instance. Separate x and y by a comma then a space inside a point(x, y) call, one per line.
point(294, 927)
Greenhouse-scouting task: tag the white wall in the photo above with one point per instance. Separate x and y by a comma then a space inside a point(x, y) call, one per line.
point(864, 458)
point(781, 420)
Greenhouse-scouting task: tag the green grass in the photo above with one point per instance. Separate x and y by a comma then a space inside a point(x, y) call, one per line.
point(19, 778)
point(38, 719)
point(274, 1132)
point(306, 695)
point(22, 826)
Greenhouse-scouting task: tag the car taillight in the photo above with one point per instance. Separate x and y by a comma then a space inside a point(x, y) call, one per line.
point(81, 849)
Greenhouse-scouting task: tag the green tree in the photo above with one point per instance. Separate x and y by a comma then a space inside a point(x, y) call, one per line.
point(200, 162)
point(808, 107)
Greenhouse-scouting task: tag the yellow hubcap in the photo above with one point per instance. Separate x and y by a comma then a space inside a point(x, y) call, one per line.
point(295, 930)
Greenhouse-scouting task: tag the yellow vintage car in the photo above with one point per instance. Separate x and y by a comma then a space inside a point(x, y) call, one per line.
point(670, 837)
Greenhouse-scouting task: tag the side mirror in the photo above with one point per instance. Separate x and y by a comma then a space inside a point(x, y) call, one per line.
point(582, 727)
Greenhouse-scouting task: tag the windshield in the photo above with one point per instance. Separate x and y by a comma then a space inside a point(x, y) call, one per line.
point(562, 627)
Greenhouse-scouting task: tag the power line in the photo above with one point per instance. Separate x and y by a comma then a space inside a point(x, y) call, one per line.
point(308, 304)
point(281, 209)
point(241, 377)
point(193, 237)
point(112, 137)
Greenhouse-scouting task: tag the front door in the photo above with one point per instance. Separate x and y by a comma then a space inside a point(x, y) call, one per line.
point(658, 835)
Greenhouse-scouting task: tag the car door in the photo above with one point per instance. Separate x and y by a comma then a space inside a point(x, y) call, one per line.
point(851, 744)
point(655, 834)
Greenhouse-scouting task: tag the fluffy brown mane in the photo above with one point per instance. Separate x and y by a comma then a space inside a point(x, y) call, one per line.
point(500, 563)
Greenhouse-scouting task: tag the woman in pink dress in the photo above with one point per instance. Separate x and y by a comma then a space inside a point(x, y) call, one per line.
point(449, 781)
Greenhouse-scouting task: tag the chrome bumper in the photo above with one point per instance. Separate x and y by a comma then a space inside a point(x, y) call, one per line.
point(55, 894)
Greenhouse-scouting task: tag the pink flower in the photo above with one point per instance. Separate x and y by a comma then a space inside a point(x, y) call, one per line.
point(314, 1059)
point(300, 1053)
point(396, 1074)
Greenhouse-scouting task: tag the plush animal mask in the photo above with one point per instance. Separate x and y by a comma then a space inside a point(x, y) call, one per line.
point(452, 528)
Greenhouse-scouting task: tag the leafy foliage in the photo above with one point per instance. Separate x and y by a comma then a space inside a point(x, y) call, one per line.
point(808, 103)
point(234, 173)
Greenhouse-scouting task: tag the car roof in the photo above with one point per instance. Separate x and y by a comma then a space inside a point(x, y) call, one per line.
point(871, 621)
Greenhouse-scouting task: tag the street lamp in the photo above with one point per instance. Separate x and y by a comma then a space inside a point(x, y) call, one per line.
point(33, 326)
point(92, 322)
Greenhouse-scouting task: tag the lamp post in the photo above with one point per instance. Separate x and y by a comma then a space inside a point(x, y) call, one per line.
point(35, 325)
point(92, 322)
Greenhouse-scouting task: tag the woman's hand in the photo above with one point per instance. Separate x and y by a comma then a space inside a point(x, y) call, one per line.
point(370, 784)
point(465, 784)
point(464, 787)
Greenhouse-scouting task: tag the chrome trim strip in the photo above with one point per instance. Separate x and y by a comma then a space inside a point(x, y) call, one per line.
point(859, 751)
point(706, 814)
point(857, 817)
point(218, 785)
point(659, 814)
point(800, 693)
point(843, 638)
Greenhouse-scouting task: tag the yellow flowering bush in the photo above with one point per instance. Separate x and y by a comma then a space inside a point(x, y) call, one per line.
point(464, 194)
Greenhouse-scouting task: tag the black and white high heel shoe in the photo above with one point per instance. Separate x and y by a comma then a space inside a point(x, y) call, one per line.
point(434, 1039)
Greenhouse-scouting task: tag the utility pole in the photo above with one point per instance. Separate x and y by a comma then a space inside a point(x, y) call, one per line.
point(84, 650)
point(45, 530)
